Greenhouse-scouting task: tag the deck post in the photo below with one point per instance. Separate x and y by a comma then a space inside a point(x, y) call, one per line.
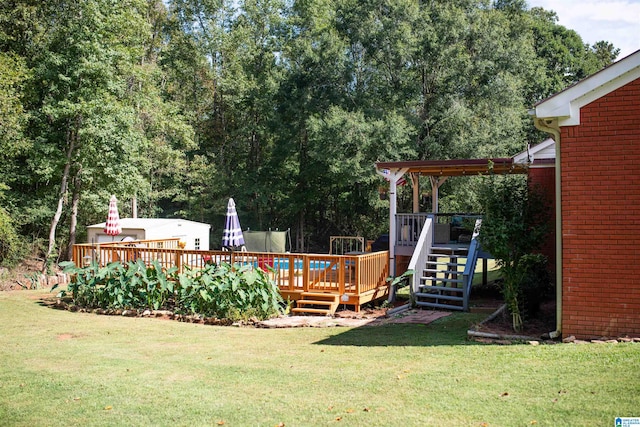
point(393, 176)
point(178, 259)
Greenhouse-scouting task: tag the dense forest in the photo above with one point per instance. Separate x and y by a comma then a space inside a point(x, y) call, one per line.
point(284, 105)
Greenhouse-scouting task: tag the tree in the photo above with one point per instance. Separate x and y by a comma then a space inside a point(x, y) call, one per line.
point(605, 53)
point(282, 104)
point(13, 118)
point(515, 223)
point(565, 58)
point(96, 108)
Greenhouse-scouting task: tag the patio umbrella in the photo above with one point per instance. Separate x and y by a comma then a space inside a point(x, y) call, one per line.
point(232, 235)
point(112, 227)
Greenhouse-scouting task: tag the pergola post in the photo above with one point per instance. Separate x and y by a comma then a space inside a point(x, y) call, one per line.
point(393, 176)
point(436, 182)
point(415, 186)
point(438, 171)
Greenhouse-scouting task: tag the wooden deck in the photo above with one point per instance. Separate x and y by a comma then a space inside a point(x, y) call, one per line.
point(357, 279)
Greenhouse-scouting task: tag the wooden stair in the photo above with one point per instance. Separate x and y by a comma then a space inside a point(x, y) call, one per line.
point(317, 303)
point(441, 283)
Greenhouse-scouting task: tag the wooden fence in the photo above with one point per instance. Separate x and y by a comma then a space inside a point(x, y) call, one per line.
point(358, 278)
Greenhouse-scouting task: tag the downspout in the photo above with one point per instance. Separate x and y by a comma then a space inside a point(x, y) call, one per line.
point(551, 127)
point(393, 209)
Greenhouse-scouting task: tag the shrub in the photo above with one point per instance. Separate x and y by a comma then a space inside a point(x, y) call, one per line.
point(535, 283)
point(229, 291)
point(225, 291)
point(515, 224)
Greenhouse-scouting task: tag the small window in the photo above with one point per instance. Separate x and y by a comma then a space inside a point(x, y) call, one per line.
point(197, 243)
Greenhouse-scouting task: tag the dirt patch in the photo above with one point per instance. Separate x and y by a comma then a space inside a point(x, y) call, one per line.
point(64, 337)
point(537, 326)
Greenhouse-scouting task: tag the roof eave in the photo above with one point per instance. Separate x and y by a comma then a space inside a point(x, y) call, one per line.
point(566, 105)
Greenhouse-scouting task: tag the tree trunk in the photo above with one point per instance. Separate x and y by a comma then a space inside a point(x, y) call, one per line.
point(63, 190)
point(300, 237)
point(73, 224)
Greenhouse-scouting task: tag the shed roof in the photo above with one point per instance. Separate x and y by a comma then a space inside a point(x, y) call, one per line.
point(148, 223)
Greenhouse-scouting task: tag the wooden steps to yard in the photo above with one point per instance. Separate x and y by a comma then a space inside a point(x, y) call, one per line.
point(441, 281)
point(317, 303)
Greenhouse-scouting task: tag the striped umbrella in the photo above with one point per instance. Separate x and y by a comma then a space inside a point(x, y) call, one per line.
point(232, 235)
point(112, 227)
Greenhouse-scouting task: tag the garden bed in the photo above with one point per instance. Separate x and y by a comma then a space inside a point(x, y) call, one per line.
point(537, 327)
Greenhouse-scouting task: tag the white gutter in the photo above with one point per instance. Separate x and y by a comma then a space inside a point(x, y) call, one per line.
point(551, 127)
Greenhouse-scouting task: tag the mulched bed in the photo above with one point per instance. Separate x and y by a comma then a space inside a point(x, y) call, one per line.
point(536, 327)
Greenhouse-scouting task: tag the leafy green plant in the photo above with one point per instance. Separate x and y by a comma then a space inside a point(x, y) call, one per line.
point(225, 291)
point(229, 291)
point(34, 280)
point(101, 287)
point(401, 280)
point(515, 223)
point(157, 286)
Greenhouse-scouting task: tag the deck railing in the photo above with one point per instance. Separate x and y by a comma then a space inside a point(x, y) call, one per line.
point(346, 274)
point(409, 227)
point(472, 260)
point(344, 245)
point(447, 227)
point(419, 258)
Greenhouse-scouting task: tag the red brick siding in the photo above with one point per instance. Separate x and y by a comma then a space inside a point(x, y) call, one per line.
point(600, 167)
point(544, 179)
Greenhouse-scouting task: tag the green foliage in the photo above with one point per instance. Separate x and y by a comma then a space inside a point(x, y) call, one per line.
point(10, 243)
point(284, 105)
point(13, 77)
point(535, 283)
point(229, 291)
point(224, 291)
point(403, 280)
point(515, 223)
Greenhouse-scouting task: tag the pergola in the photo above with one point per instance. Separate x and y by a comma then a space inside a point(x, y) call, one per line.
point(438, 172)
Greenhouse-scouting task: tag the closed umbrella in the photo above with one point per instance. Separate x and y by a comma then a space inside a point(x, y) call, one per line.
point(112, 227)
point(232, 235)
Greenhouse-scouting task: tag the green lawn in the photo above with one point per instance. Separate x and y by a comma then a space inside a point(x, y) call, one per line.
point(63, 368)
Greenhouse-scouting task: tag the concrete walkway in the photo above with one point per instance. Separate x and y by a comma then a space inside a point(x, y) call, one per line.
point(410, 316)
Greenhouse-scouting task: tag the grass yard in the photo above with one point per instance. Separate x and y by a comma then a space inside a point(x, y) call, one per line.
point(63, 368)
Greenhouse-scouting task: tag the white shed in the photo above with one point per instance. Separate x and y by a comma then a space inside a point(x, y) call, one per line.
point(195, 234)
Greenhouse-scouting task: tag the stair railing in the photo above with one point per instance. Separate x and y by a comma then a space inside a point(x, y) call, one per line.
point(422, 251)
point(470, 266)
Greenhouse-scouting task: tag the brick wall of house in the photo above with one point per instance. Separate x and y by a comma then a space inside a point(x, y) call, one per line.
point(600, 164)
point(544, 179)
